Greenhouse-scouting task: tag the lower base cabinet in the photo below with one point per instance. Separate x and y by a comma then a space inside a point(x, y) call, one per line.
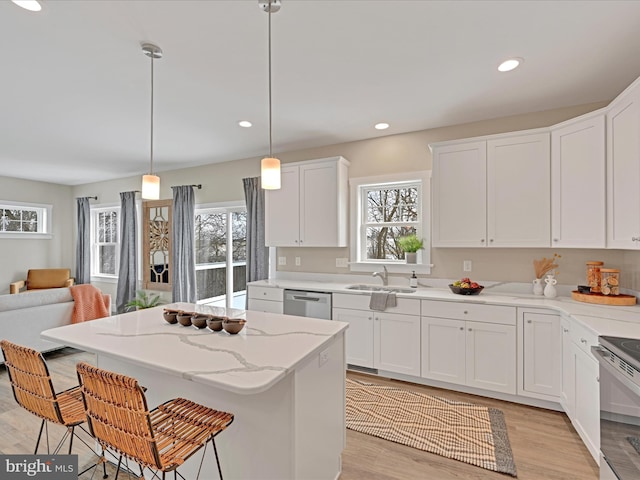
point(385, 341)
point(265, 299)
point(476, 354)
point(586, 409)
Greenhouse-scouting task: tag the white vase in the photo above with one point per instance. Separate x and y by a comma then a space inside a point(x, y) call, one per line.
point(538, 289)
point(550, 289)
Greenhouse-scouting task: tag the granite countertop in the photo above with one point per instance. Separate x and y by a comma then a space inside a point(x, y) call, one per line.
point(623, 321)
point(268, 348)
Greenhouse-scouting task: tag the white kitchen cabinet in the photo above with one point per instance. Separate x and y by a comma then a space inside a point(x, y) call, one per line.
point(581, 387)
point(623, 170)
point(540, 342)
point(359, 336)
point(388, 340)
point(567, 395)
point(578, 198)
point(469, 344)
point(444, 350)
point(310, 209)
point(397, 343)
point(492, 192)
point(459, 195)
point(518, 191)
point(265, 299)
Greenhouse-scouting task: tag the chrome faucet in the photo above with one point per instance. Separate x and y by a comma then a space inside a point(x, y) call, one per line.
point(382, 275)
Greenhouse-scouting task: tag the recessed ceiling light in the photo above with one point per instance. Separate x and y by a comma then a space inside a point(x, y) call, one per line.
point(245, 123)
point(510, 64)
point(381, 126)
point(31, 5)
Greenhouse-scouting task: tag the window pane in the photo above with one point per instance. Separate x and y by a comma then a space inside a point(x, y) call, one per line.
point(211, 238)
point(20, 219)
point(107, 259)
point(392, 205)
point(382, 242)
point(239, 235)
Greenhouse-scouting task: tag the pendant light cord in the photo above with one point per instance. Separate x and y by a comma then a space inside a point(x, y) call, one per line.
point(151, 172)
point(270, 139)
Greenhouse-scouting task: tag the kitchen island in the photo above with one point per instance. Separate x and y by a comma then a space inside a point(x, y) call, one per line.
point(283, 377)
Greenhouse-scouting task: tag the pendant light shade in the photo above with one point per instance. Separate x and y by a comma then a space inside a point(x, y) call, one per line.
point(270, 166)
point(150, 187)
point(151, 182)
point(270, 173)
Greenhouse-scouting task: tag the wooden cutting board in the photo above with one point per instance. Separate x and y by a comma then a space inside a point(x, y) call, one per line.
point(603, 299)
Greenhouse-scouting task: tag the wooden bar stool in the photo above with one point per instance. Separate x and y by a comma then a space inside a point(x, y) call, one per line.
point(161, 439)
point(33, 390)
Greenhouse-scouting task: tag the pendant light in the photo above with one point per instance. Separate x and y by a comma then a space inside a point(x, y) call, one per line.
point(151, 182)
point(270, 166)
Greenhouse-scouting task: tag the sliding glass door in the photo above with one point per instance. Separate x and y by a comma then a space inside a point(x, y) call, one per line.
point(221, 255)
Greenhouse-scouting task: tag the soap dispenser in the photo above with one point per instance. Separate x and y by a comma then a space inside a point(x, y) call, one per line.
point(413, 281)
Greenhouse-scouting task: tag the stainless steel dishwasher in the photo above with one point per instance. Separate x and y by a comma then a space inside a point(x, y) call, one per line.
point(307, 304)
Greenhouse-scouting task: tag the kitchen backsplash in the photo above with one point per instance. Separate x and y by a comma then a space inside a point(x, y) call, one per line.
point(495, 265)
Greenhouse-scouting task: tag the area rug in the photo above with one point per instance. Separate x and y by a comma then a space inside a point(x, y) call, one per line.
point(461, 431)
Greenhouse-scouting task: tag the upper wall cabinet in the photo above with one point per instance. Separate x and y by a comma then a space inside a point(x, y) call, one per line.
point(493, 192)
point(623, 170)
point(310, 208)
point(578, 164)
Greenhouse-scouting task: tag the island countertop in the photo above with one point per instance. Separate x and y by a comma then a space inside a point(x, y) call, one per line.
point(269, 346)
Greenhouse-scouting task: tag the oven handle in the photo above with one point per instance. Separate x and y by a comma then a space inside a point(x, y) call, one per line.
point(601, 352)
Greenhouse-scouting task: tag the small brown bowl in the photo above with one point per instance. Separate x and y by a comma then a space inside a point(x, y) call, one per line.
point(170, 317)
point(184, 318)
point(215, 323)
point(233, 325)
point(199, 320)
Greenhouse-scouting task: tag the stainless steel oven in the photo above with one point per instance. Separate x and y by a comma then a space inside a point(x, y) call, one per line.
point(619, 360)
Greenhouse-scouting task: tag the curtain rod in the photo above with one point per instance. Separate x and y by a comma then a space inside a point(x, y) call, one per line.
point(199, 186)
point(94, 197)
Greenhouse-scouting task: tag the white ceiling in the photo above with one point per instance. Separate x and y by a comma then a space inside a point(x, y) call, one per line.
point(75, 85)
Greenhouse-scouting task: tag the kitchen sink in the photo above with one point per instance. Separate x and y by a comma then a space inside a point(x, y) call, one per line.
point(377, 288)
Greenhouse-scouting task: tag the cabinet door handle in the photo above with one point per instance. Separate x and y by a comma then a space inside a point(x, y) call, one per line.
point(555, 239)
point(482, 241)
point(461, 328)
point(634, 239)
point(470, 329)
point(583, 341)
point(528, 321)
point(369, 318)
point(491, 240)
point(465, 312)
point(565, 330)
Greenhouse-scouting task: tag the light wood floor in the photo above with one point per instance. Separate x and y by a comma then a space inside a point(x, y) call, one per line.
point(545, 445)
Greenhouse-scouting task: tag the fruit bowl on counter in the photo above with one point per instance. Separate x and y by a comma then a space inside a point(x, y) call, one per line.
point(465, 287)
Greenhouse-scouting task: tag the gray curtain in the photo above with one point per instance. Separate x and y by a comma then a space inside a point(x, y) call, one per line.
point(183, 276)
point(128, 269)
point(83, 244)
point(257, 252)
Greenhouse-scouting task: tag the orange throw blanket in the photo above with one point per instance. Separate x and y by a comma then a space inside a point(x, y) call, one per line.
point(89, 303)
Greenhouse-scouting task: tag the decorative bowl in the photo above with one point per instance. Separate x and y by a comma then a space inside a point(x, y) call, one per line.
point(215, 322)
point(584, 288)
point(233, 325)
point(184, 318)
point(199, 320)
point(466, 291)
point(170, 316)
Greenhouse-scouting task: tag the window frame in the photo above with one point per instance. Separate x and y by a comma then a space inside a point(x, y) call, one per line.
point(44, 213)
point(358, 188)
point(95, 210)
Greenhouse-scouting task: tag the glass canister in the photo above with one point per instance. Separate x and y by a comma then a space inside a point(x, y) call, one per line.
point(593, 275)
point(610, 281)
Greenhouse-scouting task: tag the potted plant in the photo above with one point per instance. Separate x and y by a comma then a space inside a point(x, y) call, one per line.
point(410, 246)
point(143, 300)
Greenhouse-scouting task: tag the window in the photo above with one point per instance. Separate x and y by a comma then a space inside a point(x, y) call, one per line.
point(221, 255)
point(19, 220)
point(385, 209)
point(105, 241)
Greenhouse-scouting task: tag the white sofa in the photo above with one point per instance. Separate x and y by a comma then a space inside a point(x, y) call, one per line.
point(25, 315)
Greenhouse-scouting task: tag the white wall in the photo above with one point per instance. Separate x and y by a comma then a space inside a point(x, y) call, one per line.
point(19, 255)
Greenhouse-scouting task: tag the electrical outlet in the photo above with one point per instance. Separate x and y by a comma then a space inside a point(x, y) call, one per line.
point(282, 260)
point(342, 262)
point(298, 263)
point(466, 265)
point(323, 357)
